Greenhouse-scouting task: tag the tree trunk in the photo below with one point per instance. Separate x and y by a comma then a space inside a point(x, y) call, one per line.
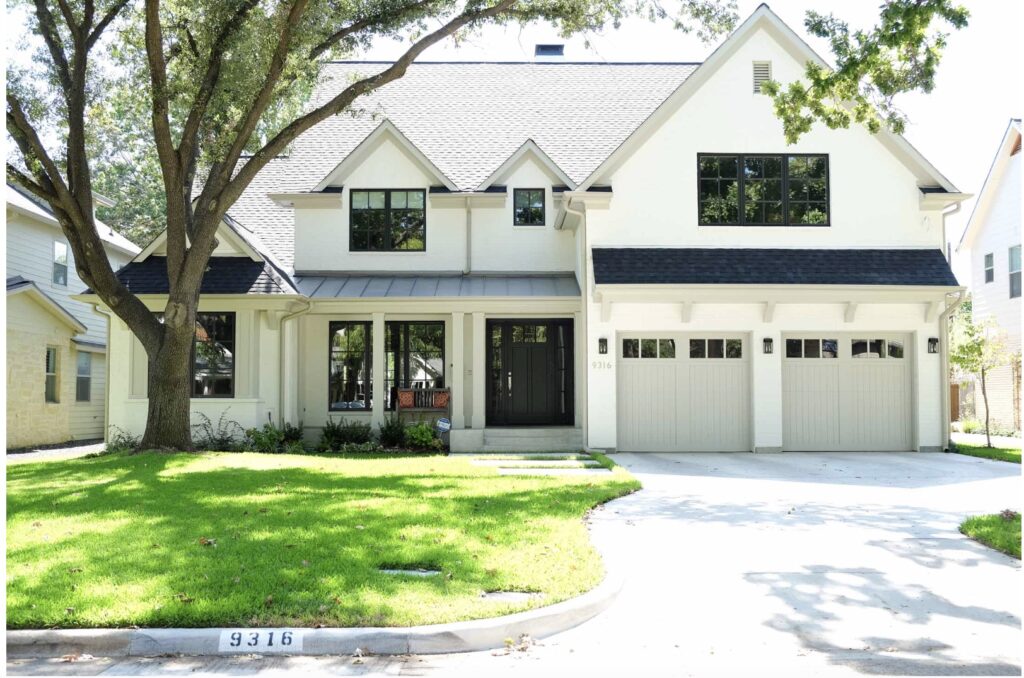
point(984, 397)
point(168, 423)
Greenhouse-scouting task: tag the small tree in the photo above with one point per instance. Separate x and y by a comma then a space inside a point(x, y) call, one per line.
point(978, 348)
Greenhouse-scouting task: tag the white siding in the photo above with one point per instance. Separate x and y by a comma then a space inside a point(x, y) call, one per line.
point(30, 255)
point(87, 417)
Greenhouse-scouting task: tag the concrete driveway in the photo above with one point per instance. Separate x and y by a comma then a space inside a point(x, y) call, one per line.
point(768, 565)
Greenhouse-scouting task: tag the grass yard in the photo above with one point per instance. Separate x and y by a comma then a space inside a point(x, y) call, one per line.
point(1000, 453)
point(244, 539)
point(1000, 531)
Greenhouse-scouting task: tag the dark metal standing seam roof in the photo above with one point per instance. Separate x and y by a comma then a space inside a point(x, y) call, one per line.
point(743, 266)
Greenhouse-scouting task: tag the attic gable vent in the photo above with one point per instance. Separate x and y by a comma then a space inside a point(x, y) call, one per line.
point(762, 73)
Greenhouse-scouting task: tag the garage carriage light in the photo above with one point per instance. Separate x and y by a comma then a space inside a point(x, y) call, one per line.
point(602, 345)
point(933, 344)
point(768, 345)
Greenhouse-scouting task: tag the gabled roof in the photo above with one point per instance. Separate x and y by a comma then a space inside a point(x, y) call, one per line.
point(23, 202)
point(763, 17)
point(18, 285)
point(1011, 140)
point(756, 266)
point(529, 147)
point(366, 146)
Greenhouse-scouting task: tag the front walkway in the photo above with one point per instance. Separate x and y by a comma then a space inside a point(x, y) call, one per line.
point(768, 565)
point(53, 453)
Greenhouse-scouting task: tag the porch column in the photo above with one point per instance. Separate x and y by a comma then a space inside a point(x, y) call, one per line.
point(377, 401)
point(458, 370)
point(479, 371)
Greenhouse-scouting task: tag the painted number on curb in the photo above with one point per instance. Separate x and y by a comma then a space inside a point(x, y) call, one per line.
point(261, 640)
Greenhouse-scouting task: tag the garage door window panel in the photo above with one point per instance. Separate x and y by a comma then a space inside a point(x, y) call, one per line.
point(666, 348)
point(630, 348)
point(812, 348)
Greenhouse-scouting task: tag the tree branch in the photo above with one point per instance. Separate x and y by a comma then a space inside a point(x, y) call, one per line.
point(16, 176)
point(341, 101)
point(365, 23)
point(54, 43)
point(105, 21)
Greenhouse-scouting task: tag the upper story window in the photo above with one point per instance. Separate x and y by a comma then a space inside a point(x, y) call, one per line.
point(213, 361)
point(388, 221)
point(60, 263)
point(763, 190)
point(528, 206)
point(990, 267)
point(1014, 271)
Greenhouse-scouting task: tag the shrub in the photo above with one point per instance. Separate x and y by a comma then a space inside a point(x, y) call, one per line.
point(294, 447)
point(222, 437)
point(392, 432)
point(338, 433)
point(292, 433)
point(421, 436)
point(269, 439)
point(972, 426)
point(120, 441)
point(360, 448)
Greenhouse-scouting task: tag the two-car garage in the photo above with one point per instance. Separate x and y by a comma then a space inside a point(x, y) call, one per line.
point(693, 392)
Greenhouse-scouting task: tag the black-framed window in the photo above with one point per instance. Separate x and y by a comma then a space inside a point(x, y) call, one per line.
point(83, 377)
point(414, 351)
point(60, 263)
point(1014, 271)
point(528, 206)
point(387, 221)
point(213, 355)
point(990, 267)
point(350, 376)
point(763, 189)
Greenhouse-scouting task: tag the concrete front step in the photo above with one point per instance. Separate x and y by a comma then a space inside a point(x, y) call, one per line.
point(536, 463)
point(534, 432)
point(553, 472)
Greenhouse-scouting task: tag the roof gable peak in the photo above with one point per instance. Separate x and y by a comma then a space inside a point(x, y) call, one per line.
point(528, 147)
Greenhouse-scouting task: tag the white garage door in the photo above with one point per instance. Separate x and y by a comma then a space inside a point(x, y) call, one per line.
point(846, 392)
point(683, 392)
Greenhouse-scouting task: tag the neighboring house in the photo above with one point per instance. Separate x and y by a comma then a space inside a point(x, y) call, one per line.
point(991, 243)
point(566, 251)
point(56, 345)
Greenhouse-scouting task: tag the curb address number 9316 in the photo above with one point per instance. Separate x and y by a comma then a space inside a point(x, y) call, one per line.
point(261, 640)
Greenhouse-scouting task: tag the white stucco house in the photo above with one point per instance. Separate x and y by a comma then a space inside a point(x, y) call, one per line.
point(991, 244)
point(56, 344)
point(610, 256)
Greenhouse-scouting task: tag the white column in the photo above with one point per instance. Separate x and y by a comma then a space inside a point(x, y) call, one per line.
point(458, 370)
point(377, 402)
point(479, 371)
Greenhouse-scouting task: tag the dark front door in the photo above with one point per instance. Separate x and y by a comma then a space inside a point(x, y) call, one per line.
point(530, 372)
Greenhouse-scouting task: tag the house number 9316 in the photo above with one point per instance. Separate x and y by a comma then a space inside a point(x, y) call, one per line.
point(601, 364)
point(261, 640)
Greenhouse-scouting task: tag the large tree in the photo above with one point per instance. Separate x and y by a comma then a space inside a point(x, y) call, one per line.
point(222, 86)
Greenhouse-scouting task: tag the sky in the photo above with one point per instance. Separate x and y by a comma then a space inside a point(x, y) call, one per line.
point(957, 126)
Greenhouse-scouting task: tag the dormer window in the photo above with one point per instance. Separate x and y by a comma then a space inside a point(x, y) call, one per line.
point(528, 206)
point(388, 221)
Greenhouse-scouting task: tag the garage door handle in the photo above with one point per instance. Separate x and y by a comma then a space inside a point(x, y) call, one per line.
point(510, 381)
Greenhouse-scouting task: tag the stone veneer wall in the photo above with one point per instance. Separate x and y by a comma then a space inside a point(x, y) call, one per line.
point(30, 419)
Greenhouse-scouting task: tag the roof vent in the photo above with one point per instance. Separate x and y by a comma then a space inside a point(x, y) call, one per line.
point(551, 52)
point(762, 74)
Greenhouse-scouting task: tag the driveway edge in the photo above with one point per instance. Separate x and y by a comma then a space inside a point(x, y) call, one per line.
point(468, 636)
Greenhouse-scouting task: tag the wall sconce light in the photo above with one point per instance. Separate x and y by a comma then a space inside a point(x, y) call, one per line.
point(933, 344)
point(768, 347)
point(602, 346)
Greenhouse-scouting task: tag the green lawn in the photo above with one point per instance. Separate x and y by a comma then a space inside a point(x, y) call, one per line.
point(1001, 453)
point(299, 540)
point(1000, 531)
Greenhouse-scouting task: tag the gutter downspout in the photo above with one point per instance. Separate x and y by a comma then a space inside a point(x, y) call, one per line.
point(582, 231)
point(109, 315)
point(944, 352)
point(468, 267)
point(956, 208)
point(281, 355)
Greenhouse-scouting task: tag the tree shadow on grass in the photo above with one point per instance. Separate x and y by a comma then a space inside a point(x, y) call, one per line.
point(293, 544)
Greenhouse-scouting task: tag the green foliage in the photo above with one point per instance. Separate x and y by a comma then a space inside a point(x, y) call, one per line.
point(338, 432)
point(900, 54)
point(972, 426)
point(292, 433)
point(999, 531)
point(392, 432)
point(223, 436)
point(121, 441)
point(1009, 454)
point(268, 439)
point(421, 436)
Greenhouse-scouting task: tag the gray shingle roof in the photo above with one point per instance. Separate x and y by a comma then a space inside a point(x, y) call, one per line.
point(362, 286)
point(700, 266)
point(225, 275)
point(467, 118)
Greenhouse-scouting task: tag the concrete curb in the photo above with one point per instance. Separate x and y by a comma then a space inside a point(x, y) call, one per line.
point(469, 636)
